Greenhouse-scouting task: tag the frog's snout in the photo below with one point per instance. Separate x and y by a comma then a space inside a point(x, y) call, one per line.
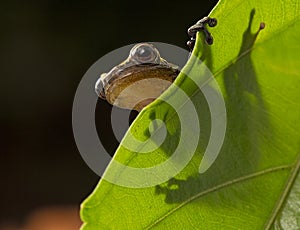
point(99, 89)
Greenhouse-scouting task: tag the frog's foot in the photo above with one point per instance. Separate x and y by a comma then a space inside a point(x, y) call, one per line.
point(200, 26)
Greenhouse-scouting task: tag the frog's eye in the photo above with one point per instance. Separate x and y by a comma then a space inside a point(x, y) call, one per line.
point(144, 53)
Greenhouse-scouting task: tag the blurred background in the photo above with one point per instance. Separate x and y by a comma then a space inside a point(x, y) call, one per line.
point(45, 49)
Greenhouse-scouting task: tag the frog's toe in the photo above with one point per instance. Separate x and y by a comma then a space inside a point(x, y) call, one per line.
point(212, 22)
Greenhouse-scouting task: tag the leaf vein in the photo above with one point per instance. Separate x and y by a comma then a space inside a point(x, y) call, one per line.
point(221, 186)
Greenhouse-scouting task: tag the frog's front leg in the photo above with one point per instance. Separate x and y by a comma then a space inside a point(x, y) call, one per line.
point(200, 26)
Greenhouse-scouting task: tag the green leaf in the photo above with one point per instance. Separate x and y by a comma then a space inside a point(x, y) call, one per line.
point(254, 182)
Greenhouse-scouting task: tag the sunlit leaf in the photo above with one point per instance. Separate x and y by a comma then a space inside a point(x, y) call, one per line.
point(254, 181)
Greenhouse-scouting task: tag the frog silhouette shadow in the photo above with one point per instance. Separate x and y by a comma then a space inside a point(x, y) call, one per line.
point(240, 153)
point(171, 138)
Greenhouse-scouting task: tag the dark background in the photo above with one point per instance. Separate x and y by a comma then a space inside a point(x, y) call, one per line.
point(45, 49)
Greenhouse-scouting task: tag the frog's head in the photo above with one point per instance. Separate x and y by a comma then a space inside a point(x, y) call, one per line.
point(143, 63)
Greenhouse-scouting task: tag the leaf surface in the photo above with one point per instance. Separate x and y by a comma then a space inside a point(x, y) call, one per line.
point(254, 182)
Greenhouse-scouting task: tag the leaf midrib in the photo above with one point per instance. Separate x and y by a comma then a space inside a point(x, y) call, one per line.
point(285, 193)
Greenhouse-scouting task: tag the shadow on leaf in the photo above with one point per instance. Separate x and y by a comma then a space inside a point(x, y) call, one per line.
point(247, 124)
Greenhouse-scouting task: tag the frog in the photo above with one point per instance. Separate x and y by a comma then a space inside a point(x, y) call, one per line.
point(143, 65)
point(147, 70)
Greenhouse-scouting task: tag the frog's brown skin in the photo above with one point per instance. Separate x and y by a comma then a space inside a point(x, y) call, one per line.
point(146, 78)
point(138, 80)
point(149, 78)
